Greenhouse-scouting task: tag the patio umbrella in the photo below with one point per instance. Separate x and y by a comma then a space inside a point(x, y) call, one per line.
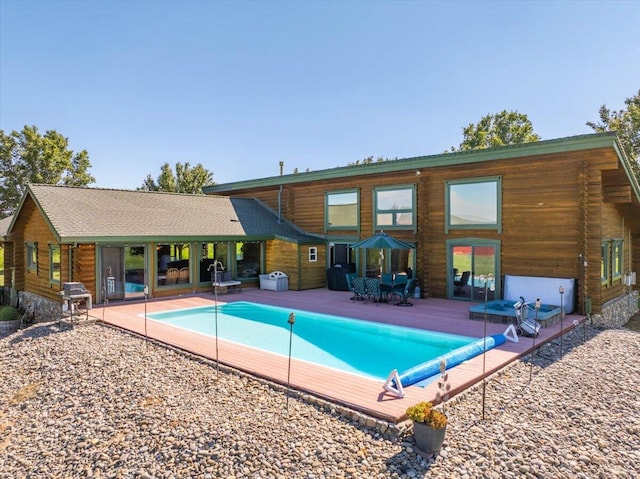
point(383, 241)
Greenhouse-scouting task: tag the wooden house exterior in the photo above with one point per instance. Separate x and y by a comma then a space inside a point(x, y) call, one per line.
point(113, 241)
point(566, 208)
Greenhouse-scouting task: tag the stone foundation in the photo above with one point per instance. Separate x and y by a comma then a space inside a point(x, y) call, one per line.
point(617, 312)
point(44, 309)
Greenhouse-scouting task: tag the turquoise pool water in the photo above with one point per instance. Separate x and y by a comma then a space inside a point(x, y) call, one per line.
point(354, 346)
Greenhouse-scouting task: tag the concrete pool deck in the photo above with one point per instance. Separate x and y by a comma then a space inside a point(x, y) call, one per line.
point(357, 392)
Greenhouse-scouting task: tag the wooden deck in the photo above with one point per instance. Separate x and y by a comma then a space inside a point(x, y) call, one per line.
point(357, 392)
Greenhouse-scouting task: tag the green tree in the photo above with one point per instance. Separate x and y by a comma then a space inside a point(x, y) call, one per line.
point(185, 180)
point(626, 123)
point(28, 157)
point(504, 128)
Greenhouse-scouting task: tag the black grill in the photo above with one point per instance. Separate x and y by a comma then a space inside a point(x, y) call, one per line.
point(71, 289)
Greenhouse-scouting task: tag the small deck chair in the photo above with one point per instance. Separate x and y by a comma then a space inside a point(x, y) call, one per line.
point(349, 278)
point(407, 293)
point(359, 291)
point(399, 283)
point(372, 286)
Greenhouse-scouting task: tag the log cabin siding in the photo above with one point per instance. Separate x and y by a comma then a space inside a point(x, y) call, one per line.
point(16, 237)
point(281, 256)
point(559, 202)
point(554, 215)
point(37, 231)
point(9, 263)
point(76, 263)
point(309, 197)
point(539, 224)
point(312, 274)
point(591, 267)
point(293, 259)
point(84, 267)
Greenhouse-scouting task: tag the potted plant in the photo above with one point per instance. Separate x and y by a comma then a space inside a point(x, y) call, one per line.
point(429, 424)
point(9, 320)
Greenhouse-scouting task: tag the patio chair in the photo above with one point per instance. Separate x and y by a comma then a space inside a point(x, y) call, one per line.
point(172, 276)
point(407, 293)
point(459, 284)
point(359, 291)
point(349, 279)
point(372, 286)
point(399, 283)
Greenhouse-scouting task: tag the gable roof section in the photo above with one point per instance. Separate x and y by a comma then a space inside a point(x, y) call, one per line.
point(560, 145)
point(85, 215)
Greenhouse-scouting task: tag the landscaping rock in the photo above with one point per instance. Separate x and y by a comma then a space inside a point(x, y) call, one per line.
point(98, 402)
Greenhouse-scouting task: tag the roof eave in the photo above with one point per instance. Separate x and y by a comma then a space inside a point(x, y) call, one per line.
point(29, 192)
point(574, 143)
point(158, 239)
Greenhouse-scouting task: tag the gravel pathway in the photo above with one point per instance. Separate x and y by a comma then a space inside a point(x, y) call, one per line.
point(99, 403)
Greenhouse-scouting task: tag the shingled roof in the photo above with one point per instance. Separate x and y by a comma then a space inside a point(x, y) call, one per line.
point(78, 214)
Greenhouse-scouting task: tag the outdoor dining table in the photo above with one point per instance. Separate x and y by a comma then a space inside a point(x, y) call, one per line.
point(389, 286)
point(395, 286)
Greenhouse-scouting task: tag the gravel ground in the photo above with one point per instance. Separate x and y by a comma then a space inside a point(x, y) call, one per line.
point(96, 402)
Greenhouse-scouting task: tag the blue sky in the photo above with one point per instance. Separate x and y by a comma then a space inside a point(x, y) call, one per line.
point(241, 86)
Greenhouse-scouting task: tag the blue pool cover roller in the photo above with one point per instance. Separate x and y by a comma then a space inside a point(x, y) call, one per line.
point(396, 382)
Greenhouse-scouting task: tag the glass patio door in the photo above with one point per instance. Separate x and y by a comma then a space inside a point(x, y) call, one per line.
point(112, 260)
point(473, 265)
point(123, 272)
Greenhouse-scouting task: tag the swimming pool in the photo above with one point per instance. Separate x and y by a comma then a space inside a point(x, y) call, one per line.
point(355, 346)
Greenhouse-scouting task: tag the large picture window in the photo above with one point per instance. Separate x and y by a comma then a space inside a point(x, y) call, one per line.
point(473, 204)
point(395, 207)
point(341, 210)
point(248, 259)
point(174, 264)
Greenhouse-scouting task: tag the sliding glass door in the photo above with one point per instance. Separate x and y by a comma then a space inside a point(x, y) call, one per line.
point(474, 269)
point(123, 272)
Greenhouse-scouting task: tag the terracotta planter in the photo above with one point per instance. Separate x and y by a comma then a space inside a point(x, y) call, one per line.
point(9, 326)
point(427, 438)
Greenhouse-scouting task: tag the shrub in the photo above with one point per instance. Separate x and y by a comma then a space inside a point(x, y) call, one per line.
point(8, 313)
